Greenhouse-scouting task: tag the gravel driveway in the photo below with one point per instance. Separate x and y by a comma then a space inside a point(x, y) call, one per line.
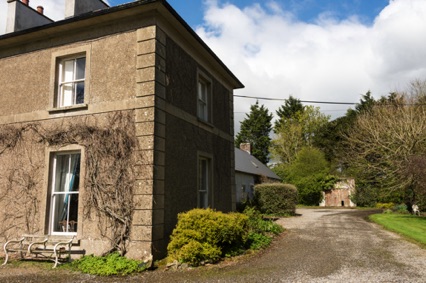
point(320, 245)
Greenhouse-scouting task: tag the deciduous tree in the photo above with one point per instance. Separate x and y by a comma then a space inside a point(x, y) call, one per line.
point(310, 173)
point(296, 132)
point(385, 142)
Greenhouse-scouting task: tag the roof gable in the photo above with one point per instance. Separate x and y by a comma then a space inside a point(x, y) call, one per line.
point(246, 163)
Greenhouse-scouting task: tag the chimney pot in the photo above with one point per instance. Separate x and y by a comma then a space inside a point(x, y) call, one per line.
point(40, 9)
point(246, 147)
point(26, 2)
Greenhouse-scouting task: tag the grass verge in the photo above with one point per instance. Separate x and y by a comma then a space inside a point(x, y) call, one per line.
point(409, 226)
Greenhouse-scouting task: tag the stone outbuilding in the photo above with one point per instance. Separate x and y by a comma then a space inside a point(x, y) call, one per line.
point(112, 121)
point(340, 194)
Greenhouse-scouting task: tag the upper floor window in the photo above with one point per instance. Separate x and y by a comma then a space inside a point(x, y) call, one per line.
point(71, 81)
point(204, 99)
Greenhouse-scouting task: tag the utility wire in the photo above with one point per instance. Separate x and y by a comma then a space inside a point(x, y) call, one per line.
point(331, 102)
point(304, 101)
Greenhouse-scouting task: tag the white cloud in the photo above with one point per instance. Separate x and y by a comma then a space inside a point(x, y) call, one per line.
point(275, 55)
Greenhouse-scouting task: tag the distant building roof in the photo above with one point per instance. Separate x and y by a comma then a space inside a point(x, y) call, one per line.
point(246, 163)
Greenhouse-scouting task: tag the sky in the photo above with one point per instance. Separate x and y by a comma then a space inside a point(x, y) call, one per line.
point(314, 50)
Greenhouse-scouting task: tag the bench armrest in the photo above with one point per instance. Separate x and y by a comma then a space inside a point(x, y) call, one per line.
point(37, 243)
point(13, 242)
point(63, 243)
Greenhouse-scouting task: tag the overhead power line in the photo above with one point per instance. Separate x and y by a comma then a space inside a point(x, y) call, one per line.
point(304, 101)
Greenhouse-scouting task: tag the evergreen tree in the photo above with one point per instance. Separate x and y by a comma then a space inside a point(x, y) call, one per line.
point(255, 130)
point(329, 139)
point(287, 111)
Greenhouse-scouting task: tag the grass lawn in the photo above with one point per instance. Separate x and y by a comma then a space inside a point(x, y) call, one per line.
point(409, 226)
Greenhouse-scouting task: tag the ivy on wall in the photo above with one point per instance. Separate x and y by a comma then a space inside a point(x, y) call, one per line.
point(109, 144)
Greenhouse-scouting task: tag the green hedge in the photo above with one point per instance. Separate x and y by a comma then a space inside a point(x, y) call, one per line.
point(276, 198)
point(205, 236)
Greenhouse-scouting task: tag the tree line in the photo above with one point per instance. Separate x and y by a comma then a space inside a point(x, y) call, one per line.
point(381, 143)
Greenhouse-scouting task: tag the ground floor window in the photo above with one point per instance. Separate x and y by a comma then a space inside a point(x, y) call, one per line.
point(64, 193)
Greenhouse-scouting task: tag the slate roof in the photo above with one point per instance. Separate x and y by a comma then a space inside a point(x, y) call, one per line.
point(246, 163)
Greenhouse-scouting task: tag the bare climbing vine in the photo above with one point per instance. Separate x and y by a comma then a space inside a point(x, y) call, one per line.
point(110, 148)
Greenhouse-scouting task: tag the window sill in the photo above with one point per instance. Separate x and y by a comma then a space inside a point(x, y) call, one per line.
point(207, 123)
point(63, 234)
point(76, 107)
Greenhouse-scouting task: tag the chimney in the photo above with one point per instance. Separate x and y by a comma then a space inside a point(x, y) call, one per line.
point(245, 147)
point(40, 9)
point(77, 7)
point(20, 16)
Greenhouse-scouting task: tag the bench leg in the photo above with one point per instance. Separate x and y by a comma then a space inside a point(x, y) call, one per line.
point(56, 255)
point(6, 253)
point(56, 262)
point(6, 259)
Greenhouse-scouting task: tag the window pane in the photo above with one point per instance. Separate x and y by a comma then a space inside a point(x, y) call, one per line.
point(202, 110)
point(203, 183)
point(61, 173)
point(68, 75)
point(204, 175)
point(67, 98)
point(67, 173)
point(203, 100)
point(79, 96)
point(81, 68)
point(203, 200)
point(202, 92)
point(65, 212)
point(58, 207)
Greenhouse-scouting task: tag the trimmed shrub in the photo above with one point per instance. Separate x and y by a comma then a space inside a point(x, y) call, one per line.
point(276, 198)
point(205, 236)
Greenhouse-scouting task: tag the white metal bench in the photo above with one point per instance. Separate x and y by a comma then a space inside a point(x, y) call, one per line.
point(416, 209)
point(45, 246)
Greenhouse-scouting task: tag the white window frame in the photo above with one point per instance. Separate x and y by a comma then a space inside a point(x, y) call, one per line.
point(204, 97)
point(53, 194)
point(56, 58)
point(62, 82)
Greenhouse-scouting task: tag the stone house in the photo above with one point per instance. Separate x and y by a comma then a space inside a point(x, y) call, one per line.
point(249, 171)
point(340, 194)
point(112, 121)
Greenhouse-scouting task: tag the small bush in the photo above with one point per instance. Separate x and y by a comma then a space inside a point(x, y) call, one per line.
point(276, 199)
point(205, 235)
point(259, 241)
point(261, 231)
point(112, 264)
point(389, 205)
point(257, 224)
point(401, 208)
